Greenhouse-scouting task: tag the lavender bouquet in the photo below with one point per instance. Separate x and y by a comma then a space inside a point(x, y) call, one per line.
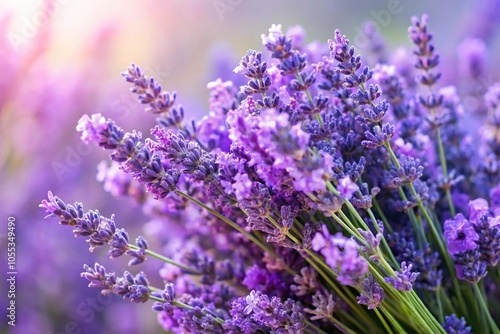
point(322, 196)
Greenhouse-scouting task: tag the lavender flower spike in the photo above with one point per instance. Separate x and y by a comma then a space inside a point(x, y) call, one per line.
point(404, 279)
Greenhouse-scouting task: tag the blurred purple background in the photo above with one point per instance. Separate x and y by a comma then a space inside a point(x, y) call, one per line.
point(62, 59)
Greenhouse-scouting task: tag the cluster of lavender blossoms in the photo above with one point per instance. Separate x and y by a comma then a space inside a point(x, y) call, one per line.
point(322, 196)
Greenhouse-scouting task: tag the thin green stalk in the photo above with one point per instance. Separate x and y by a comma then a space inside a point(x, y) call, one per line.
point(382, 215)
point(340, 326)
point(384, 323)
point(185, 306)
point(410, 299)
point(289, 235)
point(316, 328)
point(167, 260)
point(230, 223)
point(355, 213)
point(486, 312)
point(349, 298)
point(439, 305)
point(437, 235)
point(393, 321)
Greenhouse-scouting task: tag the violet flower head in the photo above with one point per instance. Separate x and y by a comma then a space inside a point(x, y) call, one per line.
point(258, 311)
point(101, 131)
point(339, 48)
point(427, 59)
point(149, 91)
point(488, 229)
point(306, 282)
point(478, 208)
point(265, 281)
point(324, 306)
point(454, 325)
point(55, 207)
point(276, 42)
point(92, 127)
point(99, 278)
point(404, 279)
point(168, 295)
point(372, 294)
point(347, 188)
point(342, 255)
point(132, 288)
point(459, 235)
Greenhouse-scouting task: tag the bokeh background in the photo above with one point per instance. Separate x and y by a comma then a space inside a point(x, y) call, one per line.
point(61, 59)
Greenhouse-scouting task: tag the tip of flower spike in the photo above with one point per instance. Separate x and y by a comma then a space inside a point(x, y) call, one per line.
point(91, 127)
point(49, 205)
point(274, 33)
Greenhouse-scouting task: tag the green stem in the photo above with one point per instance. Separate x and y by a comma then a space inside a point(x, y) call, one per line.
point(167, 260)
point(341, 326)
point(439, 304)
point(393, 321)
point(230, 223)
point(382, 320)
point(185, 306)
point(382, 215)
point(486, 311)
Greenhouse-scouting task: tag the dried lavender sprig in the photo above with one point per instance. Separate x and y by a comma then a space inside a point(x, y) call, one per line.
point(101, 230)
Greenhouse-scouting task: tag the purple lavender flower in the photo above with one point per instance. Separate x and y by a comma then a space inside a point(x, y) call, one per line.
point(488, 230)
point(306, 282)
point(372, 294)
point(470, 266)
point(459, 235)
point(55, 207)
point(168, 295)
point(142, 161)
point(258, 311)
point(149, 91)
point(98, 229)
point(342, 255)
point(426, 58)
point(131, 288)
point(99, 278)
point(276, 42)
point(347, 188)
point(261, 279)
point(324, 306)
point(454, 325)
point(91, 127)
point(478, 208)
point(403, 280)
